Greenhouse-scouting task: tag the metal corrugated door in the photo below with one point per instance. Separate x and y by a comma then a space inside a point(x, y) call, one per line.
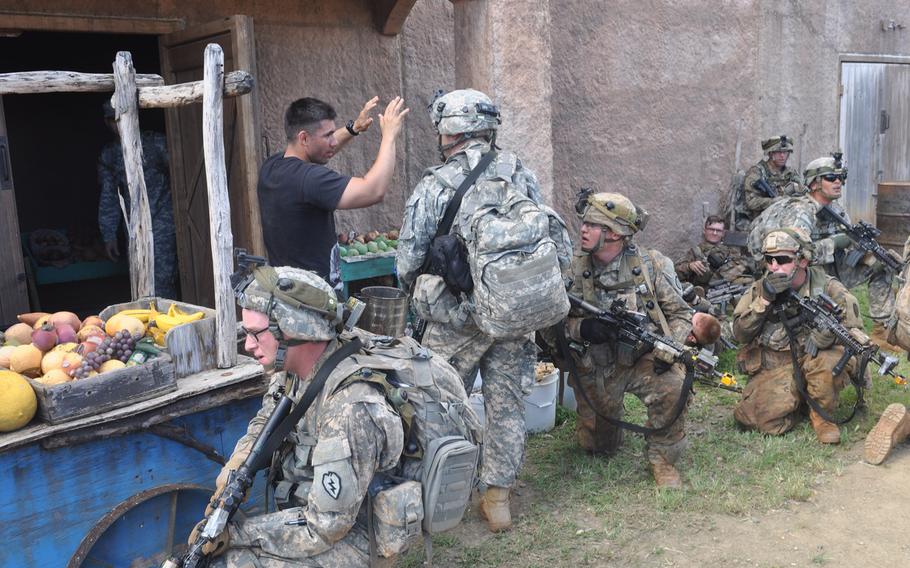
point(874, 131)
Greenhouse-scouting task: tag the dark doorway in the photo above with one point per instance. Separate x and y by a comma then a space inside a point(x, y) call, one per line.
point(55, 141)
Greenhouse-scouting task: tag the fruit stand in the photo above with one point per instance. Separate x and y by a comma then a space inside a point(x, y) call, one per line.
point(136, 410)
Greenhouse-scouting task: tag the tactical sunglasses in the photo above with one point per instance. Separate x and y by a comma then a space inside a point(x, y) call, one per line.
point(780, 259)
point(834, 177)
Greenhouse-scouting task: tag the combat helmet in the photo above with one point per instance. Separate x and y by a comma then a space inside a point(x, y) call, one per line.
point(300, 305)
point(463, 111)
point(794, 241)
point(611, 209)
point(782, 143)
point(818, 167)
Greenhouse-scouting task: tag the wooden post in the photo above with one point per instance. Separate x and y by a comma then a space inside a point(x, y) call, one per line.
point(219, 204)
point(142, 254)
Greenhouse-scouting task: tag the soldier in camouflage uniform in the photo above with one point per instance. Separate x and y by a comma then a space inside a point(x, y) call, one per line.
point(825, 178)
point(611, 267)
point(894, 425)
point(785, 181)
point(466, 121)
point(713, 260)
point(112, 178)
point(771, 401)
point(349, 435)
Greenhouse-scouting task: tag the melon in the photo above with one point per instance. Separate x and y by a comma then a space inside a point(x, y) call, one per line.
point(18, 402)
point(26, 360)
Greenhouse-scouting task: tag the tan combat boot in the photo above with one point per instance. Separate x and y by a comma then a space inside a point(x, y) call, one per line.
point(892, 429)
point(826, 432)
point(494, 508)
point(879, 336)
point(665, 474)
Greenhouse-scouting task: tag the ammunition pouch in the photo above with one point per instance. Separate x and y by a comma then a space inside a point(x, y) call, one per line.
point(432, 300)
point(629, 352)
point(397, 515)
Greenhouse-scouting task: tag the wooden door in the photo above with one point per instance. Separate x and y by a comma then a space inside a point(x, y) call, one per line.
point(181, 61)
point(13, 286)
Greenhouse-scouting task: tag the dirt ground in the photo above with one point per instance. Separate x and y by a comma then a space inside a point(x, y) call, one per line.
point(854, 519)
point(858, 518)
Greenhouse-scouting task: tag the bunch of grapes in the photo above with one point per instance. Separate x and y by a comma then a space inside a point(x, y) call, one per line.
point(119, 347)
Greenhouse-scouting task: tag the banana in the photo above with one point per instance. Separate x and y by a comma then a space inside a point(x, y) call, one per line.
point(142, 315)
point(166, 321)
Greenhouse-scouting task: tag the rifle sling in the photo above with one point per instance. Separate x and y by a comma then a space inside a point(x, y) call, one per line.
point(309, 395)
point(566, 354)
point(800, 380)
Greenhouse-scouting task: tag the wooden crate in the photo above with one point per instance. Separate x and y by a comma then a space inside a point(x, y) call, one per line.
point(84, 397)
point(191, 346)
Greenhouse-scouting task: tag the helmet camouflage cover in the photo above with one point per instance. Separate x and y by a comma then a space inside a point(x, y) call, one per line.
point(782, 143)
point(794, 241)
point(821, 166)
point(302, 304)
point(613, 210)
point(462, 111)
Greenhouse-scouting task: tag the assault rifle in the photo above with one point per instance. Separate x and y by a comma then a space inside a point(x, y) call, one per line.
point(762, 185)
point(823, 313)
point(234, 492)
point(864, 235)
point(720, 293)
point(634, 340)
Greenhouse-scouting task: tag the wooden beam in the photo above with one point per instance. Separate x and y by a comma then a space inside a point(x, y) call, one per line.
point(60, 22)
point(390, 15)
point(219, 204)
point(30, 82)
point(235, 83)
point(142, 254)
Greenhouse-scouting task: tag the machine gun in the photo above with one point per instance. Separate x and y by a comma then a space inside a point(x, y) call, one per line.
point(634, 340)
point(234, 492)
point(823, 313)
point(762, 185)
point(720, 293)
point(864, 235)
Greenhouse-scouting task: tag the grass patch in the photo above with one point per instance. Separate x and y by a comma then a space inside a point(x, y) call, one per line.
point(587, 510)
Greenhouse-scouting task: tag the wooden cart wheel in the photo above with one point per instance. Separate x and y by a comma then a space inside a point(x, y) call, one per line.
point(144, 530)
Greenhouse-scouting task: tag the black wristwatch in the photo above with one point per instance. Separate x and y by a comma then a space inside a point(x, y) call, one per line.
point(350, 127)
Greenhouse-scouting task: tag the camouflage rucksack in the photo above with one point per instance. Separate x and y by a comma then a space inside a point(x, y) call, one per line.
point(513, 249)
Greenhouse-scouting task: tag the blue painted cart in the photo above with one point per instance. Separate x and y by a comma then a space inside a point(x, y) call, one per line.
point(124, 487)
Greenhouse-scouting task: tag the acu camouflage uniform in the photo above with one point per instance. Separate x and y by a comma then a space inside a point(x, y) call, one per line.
point(786, 183)
point(771, 402)
point(899, 325)
point(731, 265)
point(603, 379)
point(507, 367)
point(112, 178)
point(800, 213)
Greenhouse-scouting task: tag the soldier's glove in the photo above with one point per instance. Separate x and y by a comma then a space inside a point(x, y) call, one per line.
point(661, 366)
point(821, 339)
point(215, 547)
point(596, 331)
point(236, 460)
point(773, 284)
point(841, 241)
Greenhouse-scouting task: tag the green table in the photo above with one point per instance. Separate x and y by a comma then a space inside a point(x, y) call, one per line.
point(367, 266)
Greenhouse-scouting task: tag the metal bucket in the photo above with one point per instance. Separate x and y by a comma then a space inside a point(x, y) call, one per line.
point(893, 214)
point(386, 312)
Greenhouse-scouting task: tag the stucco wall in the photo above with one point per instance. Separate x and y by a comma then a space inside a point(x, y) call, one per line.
point(647, 96)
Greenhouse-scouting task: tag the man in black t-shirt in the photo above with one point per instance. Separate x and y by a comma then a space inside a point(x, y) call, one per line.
point(298, 195)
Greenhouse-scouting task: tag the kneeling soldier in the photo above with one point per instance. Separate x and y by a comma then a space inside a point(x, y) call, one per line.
point(772, 402)
point(611, 268)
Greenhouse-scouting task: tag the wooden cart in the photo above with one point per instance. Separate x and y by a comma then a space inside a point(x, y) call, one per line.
point(124, 487)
